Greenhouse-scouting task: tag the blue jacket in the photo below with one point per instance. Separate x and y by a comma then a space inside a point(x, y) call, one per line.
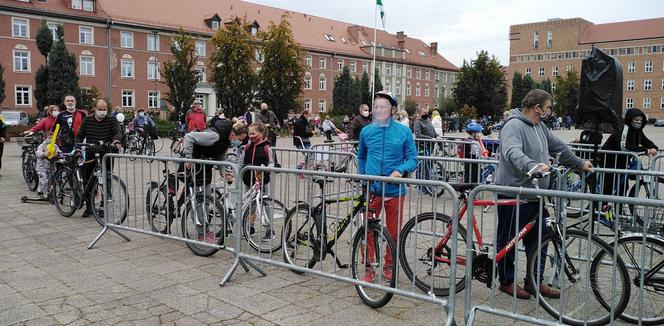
point(383, 150)
point(139, 121)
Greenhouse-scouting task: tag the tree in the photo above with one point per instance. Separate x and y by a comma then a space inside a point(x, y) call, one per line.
point(528, 84)
point(2, 84)
point(281, 77)
point(180, 75)
point(366, 91)
point(544, 85)
point(517, 90)
point(410, 106)
point(41, 87)
point(62, 76)
point(447, 106)
point(566, 95)
point(379, 85)
point(234, 78)
point(44, 39)
point(480, 84)
point(88, 97)
point(347, 93)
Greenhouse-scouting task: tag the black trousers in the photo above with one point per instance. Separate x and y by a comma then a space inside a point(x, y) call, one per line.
point(2, 149)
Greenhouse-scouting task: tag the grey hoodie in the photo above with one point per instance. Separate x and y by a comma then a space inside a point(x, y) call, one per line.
point(523, 145)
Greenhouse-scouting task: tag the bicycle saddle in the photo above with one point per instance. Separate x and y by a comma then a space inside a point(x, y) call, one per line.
point(463, 187)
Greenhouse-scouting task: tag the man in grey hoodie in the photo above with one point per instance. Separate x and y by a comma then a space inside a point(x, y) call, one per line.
point(525, 143)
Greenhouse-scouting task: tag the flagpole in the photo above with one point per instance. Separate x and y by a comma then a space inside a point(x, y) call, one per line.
point(373, 62)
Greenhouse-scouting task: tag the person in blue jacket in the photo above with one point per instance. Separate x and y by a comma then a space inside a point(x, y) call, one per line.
point(386, 148)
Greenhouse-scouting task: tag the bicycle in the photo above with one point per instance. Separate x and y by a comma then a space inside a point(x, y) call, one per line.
point(29, 161)
point(429, 262)
point(137, 144)
point(177, 141)
point(187, 195)
point(307, 241)
point(70, 190)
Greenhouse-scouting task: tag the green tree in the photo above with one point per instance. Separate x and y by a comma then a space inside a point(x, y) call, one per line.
point(566, 95)
point(180, 74)
point(44, 39)
point(346, 94)
point(2, 84)
point(379, 85)
point(62, 75)
point(544, 85)
point(281, 77)
point(88, 97)
point(481, 84)
point(410, 106)
point(366, 90)
point(528, 84)
point(447, 106)
point(517, 90)
point(234, 78)
point(41, 87)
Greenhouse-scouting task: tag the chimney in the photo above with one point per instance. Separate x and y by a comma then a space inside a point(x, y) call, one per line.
point(401, 35)
point(354, 32)
point(433, 48)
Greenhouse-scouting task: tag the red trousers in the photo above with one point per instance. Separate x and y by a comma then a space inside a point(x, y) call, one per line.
point(393, 218)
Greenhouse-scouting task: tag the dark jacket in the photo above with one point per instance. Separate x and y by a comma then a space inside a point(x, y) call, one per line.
point(635, 141)
point(93, 131)
point(423, 128)
point(301, 129)
point(256, 155)
point(70, 124)
point(356, 126)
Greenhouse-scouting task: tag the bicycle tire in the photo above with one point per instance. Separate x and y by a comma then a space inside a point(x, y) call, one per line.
point(653, 289)
point(643, 187)
point(272, 211)
point(407, 246)
point(205, 206)
point(595, 261)
point(65, 191)
point(160, 208)
point(158, 144)
point(28, 167)
point(301, 231)
point(574, 183)
point(371, 297)
point(123, 204)
point(176, 147)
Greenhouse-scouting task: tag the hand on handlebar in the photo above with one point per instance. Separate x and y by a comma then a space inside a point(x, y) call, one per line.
point(651, 152)
point(587, 167)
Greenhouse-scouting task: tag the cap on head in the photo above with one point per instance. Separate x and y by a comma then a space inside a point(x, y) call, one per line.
point(388, 96)
point(197, 102)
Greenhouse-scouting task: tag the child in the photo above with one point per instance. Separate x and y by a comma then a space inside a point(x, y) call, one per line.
point(44, 168)
point(473, 151)
point(257, 153)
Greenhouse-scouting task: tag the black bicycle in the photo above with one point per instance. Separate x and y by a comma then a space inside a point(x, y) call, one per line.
point(29, 160)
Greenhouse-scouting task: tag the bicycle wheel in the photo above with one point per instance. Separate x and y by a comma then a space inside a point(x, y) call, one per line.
point(572, 182)
point(118, 201)
point(301, 239)
point(417, 242)
point(203, 221)
point(369, 265)
point(579, 264)
point(158, 144)
point(149, 147)
point(66, 197)
point(649, 190)
point(630, 249)
point(160, 208)
point(28, 167)
point(263, 227)
point(176, 147)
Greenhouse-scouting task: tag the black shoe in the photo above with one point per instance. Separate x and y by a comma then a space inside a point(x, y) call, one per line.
point(87, 213)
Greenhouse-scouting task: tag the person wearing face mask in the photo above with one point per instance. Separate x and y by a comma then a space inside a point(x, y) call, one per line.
point(196, 117)
point(47, 123)
point(386, 148)
point(359, 122)
point(70, 122)
point(301, 133)
point(526, 144)
point(422, 127)
point(143, 123)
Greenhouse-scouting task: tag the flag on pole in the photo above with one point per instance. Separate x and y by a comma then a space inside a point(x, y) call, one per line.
point(379, 4)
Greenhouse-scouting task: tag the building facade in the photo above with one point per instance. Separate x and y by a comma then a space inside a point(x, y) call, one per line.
point(120, 51)
point(546, 49)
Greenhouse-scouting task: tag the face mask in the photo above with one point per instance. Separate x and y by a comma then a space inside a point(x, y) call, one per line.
point(141, 114)
point(71, 108)
point(636, 125)
point(101, 114)
point(425, 116)
point(255, 139)
point(236, 143)
point(365, 114)
point(55, 114)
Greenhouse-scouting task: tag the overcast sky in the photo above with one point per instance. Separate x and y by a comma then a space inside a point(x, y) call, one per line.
point(463, 27)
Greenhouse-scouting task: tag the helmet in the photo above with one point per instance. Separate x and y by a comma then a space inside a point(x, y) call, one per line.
point(388, 96)
point(474, 127)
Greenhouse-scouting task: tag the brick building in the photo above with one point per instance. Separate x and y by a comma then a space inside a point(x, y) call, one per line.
point(546, 49)
point(121, 50)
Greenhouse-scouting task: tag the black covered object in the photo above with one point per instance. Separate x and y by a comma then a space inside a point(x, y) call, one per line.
point(600, 93)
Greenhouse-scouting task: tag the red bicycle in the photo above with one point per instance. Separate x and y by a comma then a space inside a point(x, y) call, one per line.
point(578, 262)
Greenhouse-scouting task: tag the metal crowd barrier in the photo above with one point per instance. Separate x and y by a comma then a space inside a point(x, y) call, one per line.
point(607, 158)
point(342, 146)
point(443, 147)
point(600, 278)
point(326, 233)
point(316, 159)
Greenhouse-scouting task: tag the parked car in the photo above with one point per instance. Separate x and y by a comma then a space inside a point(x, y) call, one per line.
point(15, 118)
point(659, 123)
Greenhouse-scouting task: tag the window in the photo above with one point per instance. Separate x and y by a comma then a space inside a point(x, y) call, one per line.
point(200, 48)
point(528, 71)
point(328, 37)
point(153, 42)
point(630, 85)
point(214, 24)
point(646, 102)
point(88, 5)
point(21, 61)
point(307, 104)
point(663, 84)
point(365, 67)
point(427, 75)
point(54, 30)
point(23, 95)
point(153, 99)
point(554, 71)
point(153, 70)
point(418, 90)
point(647, 84)
point(127, 68)
point(648, 67)
point(259, 56)
point(536, 40)
point(388, 69)
point(322, 83)
point(20, 28)
point(85, 35)
point(409, 72)
point(426, 90)
point(661, 103)
point(408, 89)
point(387, 88)
point(201, 76)
point(541, 71)
point(322, 63)
point(630, 103)
point(353, 66)
point(549, 39)
point(631, 67)
point(127, 40)
point(321, 105)
point(437, 91)
point(340, 64)
point(553, 88)
point(398, 71)
point(397, 88)
point(307, 81)
point(419, 74)
point(254, 30)
point(127, 98)
point(87, 64)
point(77, 4)
point(307, 61)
